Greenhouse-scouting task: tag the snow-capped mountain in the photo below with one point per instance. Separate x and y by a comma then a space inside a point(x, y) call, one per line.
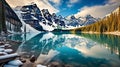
point(81, 21)
point(40, 20)
point(90, 20)
point(32, 15)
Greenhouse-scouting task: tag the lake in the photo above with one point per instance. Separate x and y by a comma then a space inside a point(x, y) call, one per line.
point(70, 50)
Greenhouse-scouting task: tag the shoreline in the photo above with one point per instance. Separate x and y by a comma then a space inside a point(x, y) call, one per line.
point(7, 51)
point(112, 33)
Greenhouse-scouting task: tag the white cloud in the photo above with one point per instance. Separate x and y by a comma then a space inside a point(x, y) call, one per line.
point(42, 4)
point(73, 1)
point(70, 3)
point(55, 1)
point(99, 10)
point(113, 1)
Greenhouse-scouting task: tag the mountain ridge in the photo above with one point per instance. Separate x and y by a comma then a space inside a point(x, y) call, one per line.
point(32, 13)
point(108, 24)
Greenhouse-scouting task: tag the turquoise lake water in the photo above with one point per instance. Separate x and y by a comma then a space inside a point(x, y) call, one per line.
point(73, 50)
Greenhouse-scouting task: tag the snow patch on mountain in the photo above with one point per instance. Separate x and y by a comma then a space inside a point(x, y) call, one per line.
point(81, 21)
point(27, 26)
point(37, 20)
point(46, 27)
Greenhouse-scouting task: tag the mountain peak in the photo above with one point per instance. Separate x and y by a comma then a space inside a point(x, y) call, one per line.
point(17, 7)
point(33, 3)
point(88, 16)
point(72, 17)
point(45, 11)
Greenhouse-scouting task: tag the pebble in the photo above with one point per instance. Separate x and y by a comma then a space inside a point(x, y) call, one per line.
point(15, 63)
point(39, 65)
point(2, 49)
point(5, 51)
point(8, 50)
point(10, 65)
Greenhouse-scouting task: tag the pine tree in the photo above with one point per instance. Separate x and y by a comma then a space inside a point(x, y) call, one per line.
point(108, 24)
point(119, 19)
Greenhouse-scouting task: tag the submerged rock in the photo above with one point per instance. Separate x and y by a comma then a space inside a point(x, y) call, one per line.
point(15, 63)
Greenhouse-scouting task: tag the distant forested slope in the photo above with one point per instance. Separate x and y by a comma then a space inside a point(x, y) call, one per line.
point(110, 23)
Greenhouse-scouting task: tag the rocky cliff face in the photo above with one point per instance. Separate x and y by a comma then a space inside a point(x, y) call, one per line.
point(10, 21)
point(40, 19)
point(32, 15)
point(2, 17)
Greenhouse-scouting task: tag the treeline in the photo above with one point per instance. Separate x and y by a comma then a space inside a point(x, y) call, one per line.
point(110, 41)
point(108, 24)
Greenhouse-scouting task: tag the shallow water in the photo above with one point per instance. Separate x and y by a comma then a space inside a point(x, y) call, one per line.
point(72, 50)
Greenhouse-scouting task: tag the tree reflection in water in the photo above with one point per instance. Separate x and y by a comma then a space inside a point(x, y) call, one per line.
point(73, 50)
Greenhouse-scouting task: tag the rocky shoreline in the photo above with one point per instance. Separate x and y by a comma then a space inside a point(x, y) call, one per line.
point(7, 53)
point(9, 57)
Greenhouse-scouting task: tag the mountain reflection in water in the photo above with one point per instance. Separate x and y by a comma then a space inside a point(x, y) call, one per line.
point(73, 50)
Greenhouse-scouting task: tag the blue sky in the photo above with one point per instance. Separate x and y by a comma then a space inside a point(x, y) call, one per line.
point(78, 8)
point(67, 8)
